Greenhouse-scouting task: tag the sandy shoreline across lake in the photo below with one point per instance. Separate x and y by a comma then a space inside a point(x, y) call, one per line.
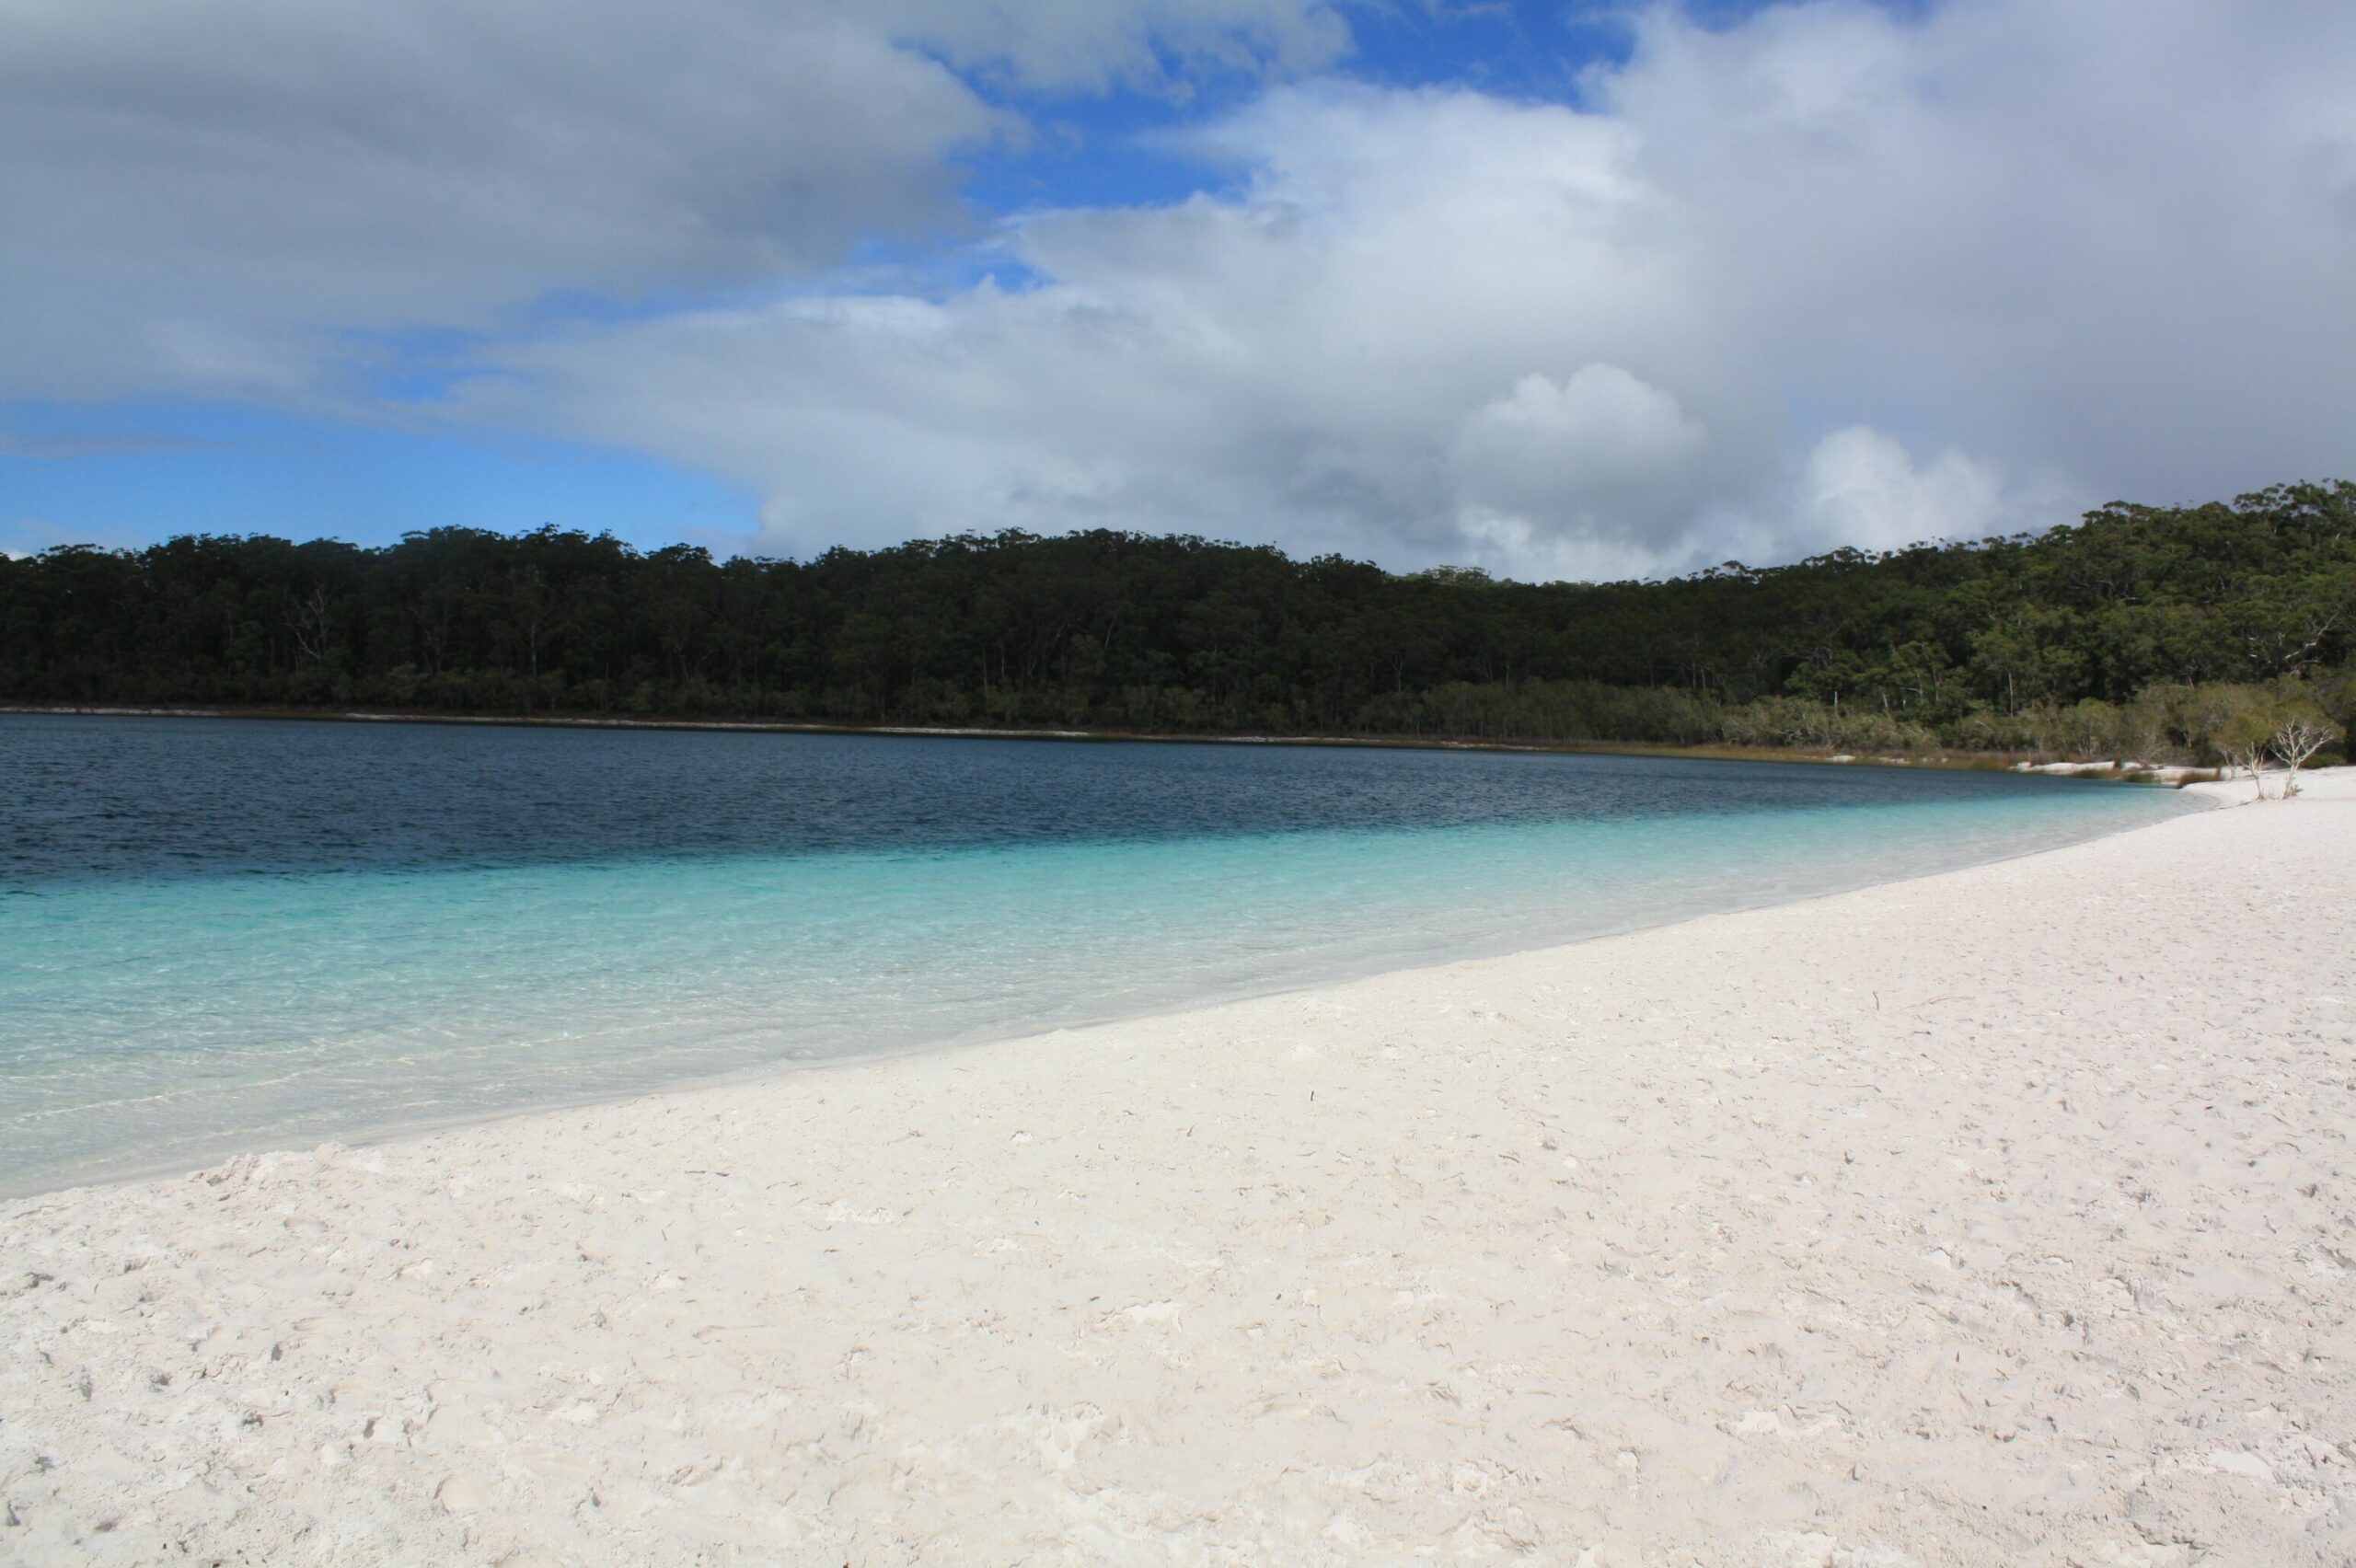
point(2004, 1217)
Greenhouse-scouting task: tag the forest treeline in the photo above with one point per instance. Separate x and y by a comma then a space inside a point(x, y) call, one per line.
point(2137, 631)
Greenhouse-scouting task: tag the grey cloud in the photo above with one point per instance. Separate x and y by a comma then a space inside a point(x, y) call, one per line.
point(2093, 237)
point(1827, 275)
point(1333, 359)
point(236, 198)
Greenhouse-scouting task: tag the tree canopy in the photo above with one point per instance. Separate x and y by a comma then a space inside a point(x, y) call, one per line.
point(2002, 643)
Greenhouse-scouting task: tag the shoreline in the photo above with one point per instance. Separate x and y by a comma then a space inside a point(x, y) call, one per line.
point(1992, 1216)
point(1958, 760)
point(755, 1074)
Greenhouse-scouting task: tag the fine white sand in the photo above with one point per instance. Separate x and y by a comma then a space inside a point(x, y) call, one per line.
point(2005, 1216)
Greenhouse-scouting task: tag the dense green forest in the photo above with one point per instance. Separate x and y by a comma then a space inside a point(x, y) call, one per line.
point(2137, 631)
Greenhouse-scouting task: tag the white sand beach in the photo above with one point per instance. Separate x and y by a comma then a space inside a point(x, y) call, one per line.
point(2004, 1217)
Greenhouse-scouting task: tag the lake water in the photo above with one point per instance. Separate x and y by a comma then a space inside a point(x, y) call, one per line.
point(219, 935)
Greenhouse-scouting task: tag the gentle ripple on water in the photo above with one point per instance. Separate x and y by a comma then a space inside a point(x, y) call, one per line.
point(221, 934)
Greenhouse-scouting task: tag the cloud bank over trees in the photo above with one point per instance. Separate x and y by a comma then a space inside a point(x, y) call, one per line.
point(1829, 273)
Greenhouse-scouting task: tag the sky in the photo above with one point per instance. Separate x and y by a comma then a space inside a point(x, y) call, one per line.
point(1581, 289)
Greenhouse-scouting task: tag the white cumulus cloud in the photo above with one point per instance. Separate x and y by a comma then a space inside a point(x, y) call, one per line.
point(1830, 274)
point(1862, 488)
point(1598, 453)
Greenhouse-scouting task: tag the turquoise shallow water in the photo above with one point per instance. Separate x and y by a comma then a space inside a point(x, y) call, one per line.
point(229, 935)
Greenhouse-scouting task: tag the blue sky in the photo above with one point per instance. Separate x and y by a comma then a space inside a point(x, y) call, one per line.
point(1562, 290)
point(129, 473)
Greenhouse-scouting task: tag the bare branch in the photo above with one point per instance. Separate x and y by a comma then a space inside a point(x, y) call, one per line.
point(2294, 741)
point(2250, 757)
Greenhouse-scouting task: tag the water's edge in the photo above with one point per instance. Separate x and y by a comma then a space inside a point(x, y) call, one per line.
point(32, 1193)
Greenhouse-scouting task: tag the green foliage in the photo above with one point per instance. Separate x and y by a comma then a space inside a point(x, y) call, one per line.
point(2137, 633)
